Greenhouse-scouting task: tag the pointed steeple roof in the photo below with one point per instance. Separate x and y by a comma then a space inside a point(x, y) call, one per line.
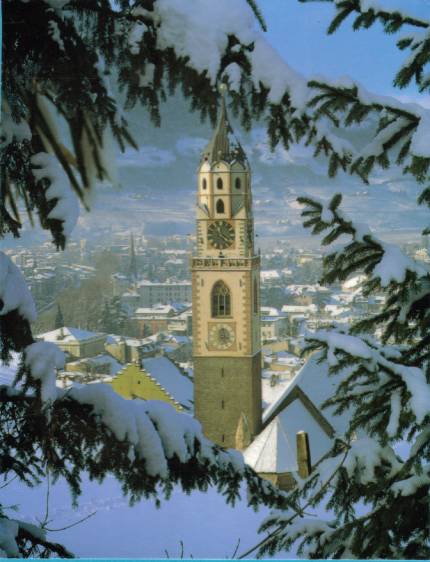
point(132, 268)
point(223, 145)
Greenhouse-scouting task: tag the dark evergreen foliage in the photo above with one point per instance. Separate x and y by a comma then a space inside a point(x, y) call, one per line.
point(58, 57)
point(375, 385)
point(59, 320)
point(375, 482)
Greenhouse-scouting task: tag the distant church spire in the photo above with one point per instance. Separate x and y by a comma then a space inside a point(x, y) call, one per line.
point(223, 145)
point(132, 268)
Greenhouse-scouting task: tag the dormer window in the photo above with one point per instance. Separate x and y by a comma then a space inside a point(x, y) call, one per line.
point(219, 183)
point(204, 183)
point(237, 183)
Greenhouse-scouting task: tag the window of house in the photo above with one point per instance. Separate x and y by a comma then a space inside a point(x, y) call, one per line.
point(219, 183)
point(204, 183)
point(221, 300)
point(237, 183)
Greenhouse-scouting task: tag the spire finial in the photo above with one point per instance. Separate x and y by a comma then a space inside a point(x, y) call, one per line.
point(222, 89)
point(219, 148)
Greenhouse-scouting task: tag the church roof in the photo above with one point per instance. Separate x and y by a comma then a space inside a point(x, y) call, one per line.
point(271, 451)
point(165, 372)
point(223, 144)
point(313, 385)
point(298, 408)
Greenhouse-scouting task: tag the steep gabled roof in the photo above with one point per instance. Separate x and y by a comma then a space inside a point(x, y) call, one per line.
point(312, 386)
point(298, 408)
point(165, 372)
point(271, 451)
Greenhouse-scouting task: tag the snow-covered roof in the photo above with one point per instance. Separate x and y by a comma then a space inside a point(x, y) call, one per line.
point(271, 392)
point(299, 308)
point(269, 274)
point(296, 408)
point(314, 381)
point(271, 451)
point(170, 378)
point(102, 359)
point(114, 339)
point(158, 309)
point(68, 335)
point(274, 450)
point(269, 311)
point(145, 282)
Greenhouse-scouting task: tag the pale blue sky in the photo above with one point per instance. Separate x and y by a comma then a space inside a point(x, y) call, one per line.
point(298, 31)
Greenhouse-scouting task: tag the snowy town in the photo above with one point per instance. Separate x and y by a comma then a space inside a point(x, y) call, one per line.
point(214, 279)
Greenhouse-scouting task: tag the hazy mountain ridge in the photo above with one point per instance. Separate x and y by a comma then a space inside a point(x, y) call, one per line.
point(159, 181)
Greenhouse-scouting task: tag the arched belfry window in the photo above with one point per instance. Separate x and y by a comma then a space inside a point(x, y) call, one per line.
point(255, 296)
point(220, 206)
point(221, 300)
point(204, 183)
point(219, 183)
point(237, 183)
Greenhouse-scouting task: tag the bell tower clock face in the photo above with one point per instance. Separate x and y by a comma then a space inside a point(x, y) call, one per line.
point(220, 235)
point(221, 336)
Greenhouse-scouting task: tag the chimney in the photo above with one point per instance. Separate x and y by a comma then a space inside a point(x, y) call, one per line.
point(303, 454)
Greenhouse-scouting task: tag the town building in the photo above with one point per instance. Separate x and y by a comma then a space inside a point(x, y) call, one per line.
point(226, 284)
point(157, 378)
point(297, 430)
point(152, 293)
point(292, 434)
point(76, 343)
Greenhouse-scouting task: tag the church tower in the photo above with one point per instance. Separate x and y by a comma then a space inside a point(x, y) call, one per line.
point(226, 293)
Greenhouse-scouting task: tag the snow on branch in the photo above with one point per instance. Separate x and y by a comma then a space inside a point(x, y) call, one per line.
point(370, 11)
point(147, 445)
point(400, 135)
point(405, 282)
point(43, 360)
point(377, 365)
point(66, 205)
point(184, 28)
point(19, 538)
point(12, 130)
point(14, 294)
point(382, 261)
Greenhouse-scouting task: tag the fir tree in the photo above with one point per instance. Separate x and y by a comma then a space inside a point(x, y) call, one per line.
point(59, 57)
point(375, 482)
point(113, 318)
point(59, 320)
